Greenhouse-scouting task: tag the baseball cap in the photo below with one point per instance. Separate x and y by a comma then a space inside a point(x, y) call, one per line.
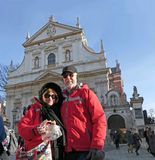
point(70, 69)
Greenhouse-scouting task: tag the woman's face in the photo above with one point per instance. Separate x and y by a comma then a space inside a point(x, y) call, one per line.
point(50, 97)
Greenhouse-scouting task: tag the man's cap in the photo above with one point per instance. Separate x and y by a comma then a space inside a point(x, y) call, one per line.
point(70, 69)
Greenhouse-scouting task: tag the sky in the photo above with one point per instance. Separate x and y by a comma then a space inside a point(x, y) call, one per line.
point(126, 27)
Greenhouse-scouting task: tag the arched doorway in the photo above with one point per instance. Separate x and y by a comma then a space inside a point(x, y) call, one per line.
point(116, 122)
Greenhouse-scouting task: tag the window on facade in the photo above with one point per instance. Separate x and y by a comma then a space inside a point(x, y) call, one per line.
point(36, 62)
point(113, 100)
point(51, 58)
point(67, 55)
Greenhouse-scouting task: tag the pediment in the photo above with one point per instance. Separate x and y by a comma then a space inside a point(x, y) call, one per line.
point(50, 31)
point(48, 75)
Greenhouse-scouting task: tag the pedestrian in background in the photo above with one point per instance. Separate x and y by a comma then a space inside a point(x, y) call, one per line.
point(136, 142)
point(147, 132)
point(41, 126)
point(83, 118)
point(116, 138)
point(152, 143)
point(130, 141)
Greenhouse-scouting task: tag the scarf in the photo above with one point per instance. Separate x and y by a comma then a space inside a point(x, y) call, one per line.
point(53, 113)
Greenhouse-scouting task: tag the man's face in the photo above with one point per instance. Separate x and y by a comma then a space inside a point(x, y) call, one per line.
point(70, 80)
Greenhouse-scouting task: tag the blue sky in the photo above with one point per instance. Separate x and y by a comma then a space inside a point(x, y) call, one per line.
point(125, 26)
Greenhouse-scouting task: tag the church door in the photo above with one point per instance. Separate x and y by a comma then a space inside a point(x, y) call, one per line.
point(116, 122)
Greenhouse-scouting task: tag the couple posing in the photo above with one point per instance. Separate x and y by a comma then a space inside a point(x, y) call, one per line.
point(68, 125)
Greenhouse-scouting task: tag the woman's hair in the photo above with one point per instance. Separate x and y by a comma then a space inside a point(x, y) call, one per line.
point(54, 87)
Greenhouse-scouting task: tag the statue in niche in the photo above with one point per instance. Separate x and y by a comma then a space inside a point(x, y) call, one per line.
point(113, 100)
point(67, 55)
point(36, 62)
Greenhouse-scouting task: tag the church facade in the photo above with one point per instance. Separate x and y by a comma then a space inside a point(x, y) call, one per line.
point(51, 48)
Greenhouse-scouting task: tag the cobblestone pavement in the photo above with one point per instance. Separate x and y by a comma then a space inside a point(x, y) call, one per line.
point(122, 154)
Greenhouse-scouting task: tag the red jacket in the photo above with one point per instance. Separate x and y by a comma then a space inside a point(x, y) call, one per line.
point(84, 120)
point(27, 127)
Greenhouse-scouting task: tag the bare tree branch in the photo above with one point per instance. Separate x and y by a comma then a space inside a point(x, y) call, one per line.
point(3, 77)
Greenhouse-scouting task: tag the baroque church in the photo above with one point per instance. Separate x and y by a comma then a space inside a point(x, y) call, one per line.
point(56, 45)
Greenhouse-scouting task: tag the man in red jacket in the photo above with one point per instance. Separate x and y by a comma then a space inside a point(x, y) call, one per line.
point(83, 118)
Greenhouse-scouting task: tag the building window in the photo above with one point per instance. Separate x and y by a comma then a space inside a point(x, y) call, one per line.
point(36, 62)
point(51, 58)
point(67, 55)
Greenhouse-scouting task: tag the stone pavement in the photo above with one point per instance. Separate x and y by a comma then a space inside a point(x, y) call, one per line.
point(122, 154)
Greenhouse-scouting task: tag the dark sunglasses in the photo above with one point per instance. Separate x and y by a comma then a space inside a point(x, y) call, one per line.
point(68, 74)
point(53, 96)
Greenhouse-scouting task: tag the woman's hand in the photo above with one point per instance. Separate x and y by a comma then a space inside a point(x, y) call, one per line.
point(44, 125)
point(41, 130)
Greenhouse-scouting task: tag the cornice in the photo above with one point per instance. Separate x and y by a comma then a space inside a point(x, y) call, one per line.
point(93, 73)
point(53, 38)
point(32, 83)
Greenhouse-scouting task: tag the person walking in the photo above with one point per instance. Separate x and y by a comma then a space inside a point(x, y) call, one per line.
point(41, 126)
point(116, 139)
point(84, 119)
point(147, 133)
point(136, 142)
point(152, 143)
point(130, 141)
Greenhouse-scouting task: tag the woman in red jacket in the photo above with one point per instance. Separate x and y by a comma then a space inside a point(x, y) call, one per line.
point(41, 139)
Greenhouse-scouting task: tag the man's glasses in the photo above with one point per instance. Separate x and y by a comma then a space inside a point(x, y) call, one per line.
point(53, 96)
point(68, 74)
